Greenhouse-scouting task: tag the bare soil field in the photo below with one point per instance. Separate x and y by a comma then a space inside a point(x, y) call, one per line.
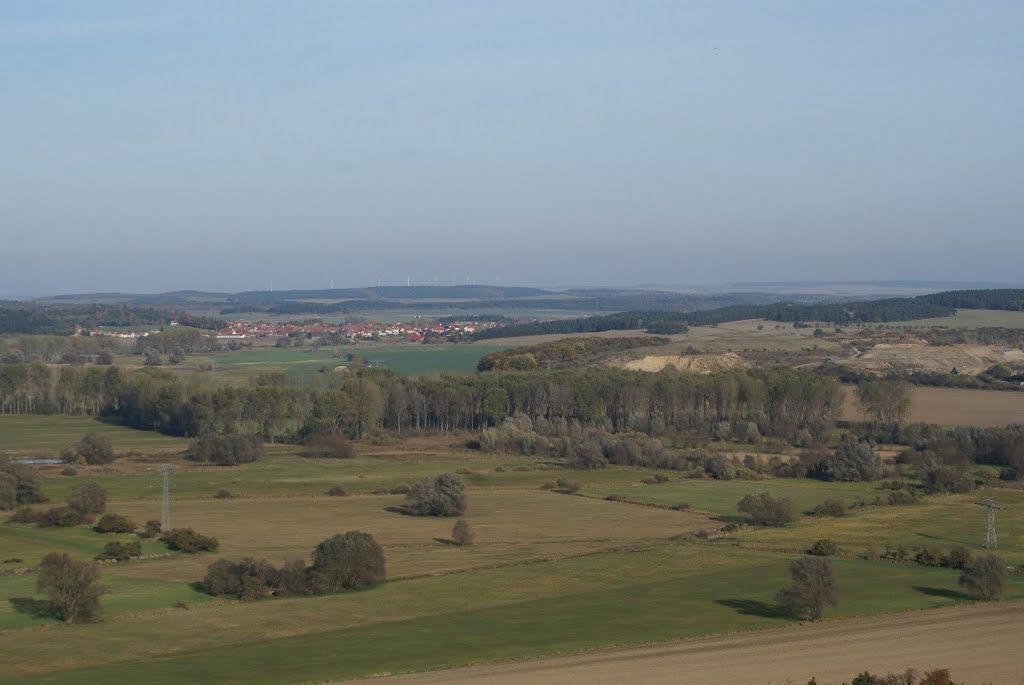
point(970, 359)
point(979, 644)
point(697, 363)
point(953, 407)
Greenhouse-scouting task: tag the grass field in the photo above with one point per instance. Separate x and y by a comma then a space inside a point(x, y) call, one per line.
point(549, 573)
point(304, 363)
point(53, 433)
point(953, 407)
point(671, 592)
point(720, 497)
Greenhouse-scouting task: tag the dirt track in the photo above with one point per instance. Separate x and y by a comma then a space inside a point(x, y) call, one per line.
point(979, 644)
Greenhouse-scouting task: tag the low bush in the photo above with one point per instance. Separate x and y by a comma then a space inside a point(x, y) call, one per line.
point(824, 547)
point(337, 491)
point(114, 523)
point(566, 486)
point(223, 494)
point(831, 507)
point(768, 510)
point(151, 529)
point(189, 541)
point(959, 558)
point(332, 446)
point(462, 533)
point(120, 551)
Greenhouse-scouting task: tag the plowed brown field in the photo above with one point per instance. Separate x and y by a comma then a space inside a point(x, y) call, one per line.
point(979, 644)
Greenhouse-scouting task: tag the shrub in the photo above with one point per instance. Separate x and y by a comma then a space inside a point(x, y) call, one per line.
point(814, 586)
point(115, 523)
point(121, 551)
point(188, 541)
point(661, 478)
point(959, 558)
point(682, 506)
point(986, 578)
point(88, 498)
point(248, 578)
point(948, 479)
point(330, 446)
point(928, 556)
point(830, 507)
point(462, 533)
point(60, 517)
point(614, 497)
point(824, 547)
point(24, 515)
point(767, 510)
point(25, 482)
point(855, 461)
point(293, 579)
point(225, 450)
point(152, 529)
point(350, 561)
point(69, 471)
point(337, 491)
point(903, 498)
point(223, 494)
point(94, 448)
point(566, 486)
point(71, 586)
point(444, 495)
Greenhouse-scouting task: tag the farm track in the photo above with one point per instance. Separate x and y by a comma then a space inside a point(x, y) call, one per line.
point(979, 644)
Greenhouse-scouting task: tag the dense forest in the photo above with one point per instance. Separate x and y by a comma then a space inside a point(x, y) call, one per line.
point(776, 402)
point(30, 319)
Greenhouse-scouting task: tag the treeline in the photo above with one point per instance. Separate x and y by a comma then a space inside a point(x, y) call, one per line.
point(35, 319)
point(870, 311)
point(1005, 299)
point(561, 353)
point(776, 402)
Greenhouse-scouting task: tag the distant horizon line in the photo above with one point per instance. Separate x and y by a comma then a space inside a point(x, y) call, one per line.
point(716, 286)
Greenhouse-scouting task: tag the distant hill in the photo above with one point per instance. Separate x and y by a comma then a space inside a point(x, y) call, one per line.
point(867, 311)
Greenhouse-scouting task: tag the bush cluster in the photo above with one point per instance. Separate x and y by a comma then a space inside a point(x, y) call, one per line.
point(115, 523)
point(120, 551)
point(225, 450)
point(766, 509)
point(189, 541)
point(349, 561)
point(444, 495)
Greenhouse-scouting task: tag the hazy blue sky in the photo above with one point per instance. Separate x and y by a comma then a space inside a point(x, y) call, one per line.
point(150, 146)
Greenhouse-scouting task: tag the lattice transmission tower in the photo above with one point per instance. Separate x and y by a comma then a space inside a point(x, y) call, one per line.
point(990, 529)
point(165, 512)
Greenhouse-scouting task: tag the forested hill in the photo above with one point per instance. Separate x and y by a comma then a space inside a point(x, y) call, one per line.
point(869, 311)
point(16, 317)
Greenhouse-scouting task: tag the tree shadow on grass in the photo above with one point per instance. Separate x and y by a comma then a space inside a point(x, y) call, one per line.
point(753, 607)
point(941, 592)
point(36, 608)
point(399, 509)
point(446, 541)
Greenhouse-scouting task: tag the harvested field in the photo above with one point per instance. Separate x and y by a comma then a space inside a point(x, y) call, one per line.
point(510, 526)
point(979, 644)
point(953, 407)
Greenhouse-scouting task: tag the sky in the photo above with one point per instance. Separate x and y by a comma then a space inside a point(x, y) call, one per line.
point(220, 145)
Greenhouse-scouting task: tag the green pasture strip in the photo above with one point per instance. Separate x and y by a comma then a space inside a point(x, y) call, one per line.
point(29, 542)
point(53, 433)
point(22, 607)
point(942, 521)
point(285, 475)
point(685, 604)
point(721, 497)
